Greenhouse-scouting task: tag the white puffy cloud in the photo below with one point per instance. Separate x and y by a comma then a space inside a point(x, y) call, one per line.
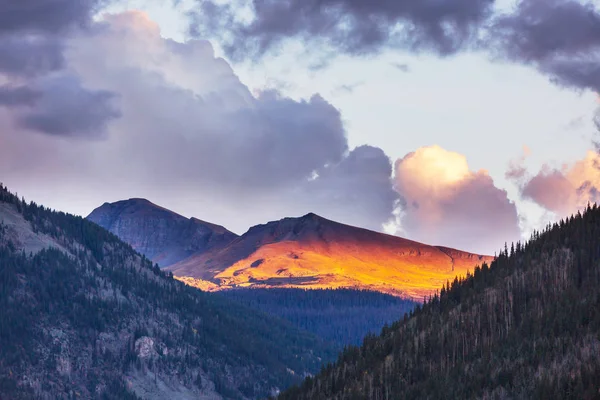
point(447, 203)
point(565, 190)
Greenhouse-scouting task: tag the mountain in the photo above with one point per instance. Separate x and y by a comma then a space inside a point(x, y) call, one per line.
point(315, 253)
point(160, 234)
point(526, 327)
point(82, 315)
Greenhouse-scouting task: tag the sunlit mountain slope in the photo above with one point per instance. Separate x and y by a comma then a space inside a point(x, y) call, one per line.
point(313, 252)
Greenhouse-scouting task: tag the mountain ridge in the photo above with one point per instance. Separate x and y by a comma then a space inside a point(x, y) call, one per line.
point(314, 252)
point(310, 252)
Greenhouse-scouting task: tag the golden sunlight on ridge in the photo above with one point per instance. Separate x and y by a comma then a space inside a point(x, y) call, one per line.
point(314, 253)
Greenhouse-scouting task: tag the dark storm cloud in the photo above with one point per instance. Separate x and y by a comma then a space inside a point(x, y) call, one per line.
point(65, 108)
point(31, 32)
point(559, 37)
point(349, 26)
point(280, 139)
point(26, 55)
point(358, 189)
point(50, 16)
point(32, 51)
point(14, 96)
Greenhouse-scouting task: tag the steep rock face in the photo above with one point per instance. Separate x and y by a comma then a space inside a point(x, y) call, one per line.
point(313, 252)
point(160, 234)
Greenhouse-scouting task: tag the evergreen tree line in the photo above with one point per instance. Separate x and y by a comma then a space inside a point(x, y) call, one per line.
point(340, 316)
point(527, 326)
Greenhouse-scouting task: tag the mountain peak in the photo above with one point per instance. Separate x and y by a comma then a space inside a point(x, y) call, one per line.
point(139, 200)
point(313, 252)
point(312, 215)
point(162, 235)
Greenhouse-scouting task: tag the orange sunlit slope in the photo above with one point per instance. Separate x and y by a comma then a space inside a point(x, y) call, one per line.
point(312, 252)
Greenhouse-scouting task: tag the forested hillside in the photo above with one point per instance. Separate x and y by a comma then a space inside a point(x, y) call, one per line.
point(527, 326)
point(341, 316)
point(84, 316)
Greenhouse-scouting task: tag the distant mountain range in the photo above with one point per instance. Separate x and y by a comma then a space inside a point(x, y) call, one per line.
point(307, 252)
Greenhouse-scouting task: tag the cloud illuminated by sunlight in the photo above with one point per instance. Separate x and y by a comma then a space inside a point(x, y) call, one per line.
point(446, 202)
point(566, 190)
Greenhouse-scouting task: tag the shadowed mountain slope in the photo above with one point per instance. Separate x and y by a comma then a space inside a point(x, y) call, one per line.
point(160, 234)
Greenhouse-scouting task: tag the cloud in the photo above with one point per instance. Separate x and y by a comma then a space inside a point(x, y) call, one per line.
point(347, 88)
point(516, 168)
point(347, 26)
point(357, 189)
point(30, 55)
point(49, 97)
point(31, 32)
point(45, 15)
point(566, 190)
point(401, 67)
point(188, 107)
point(559, 37)
point(190, 136)
point(14, 96)
point(448, 203)
point(63, 107)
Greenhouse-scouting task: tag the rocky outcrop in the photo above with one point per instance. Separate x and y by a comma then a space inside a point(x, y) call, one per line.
point(160, 234)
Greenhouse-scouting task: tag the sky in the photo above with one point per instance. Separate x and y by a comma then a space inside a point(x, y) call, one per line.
point(464, 123)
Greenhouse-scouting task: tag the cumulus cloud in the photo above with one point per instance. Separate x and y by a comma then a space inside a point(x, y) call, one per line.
point(353, 27)
point(564, 191)
point(448, 203)
point(188, 107)
point(191, 136)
